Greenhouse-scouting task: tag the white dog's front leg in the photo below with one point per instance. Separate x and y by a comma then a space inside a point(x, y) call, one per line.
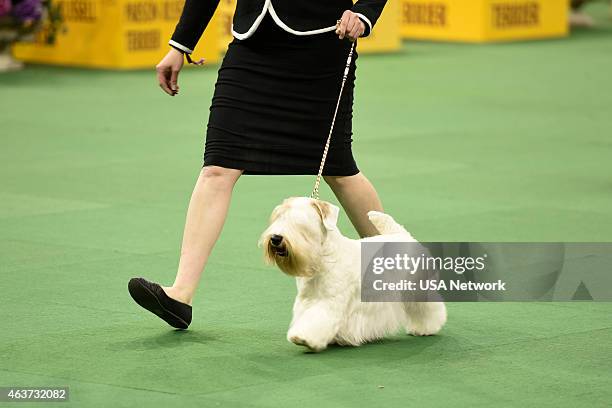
point(426, 318)
point(315, 327)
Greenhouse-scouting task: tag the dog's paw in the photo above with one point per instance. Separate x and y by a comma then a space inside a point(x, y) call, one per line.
point(310, 344)
point(427, 327)
point(423, 330)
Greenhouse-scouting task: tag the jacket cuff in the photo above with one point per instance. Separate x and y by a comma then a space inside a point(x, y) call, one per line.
point(367, 22)
point(179, 47)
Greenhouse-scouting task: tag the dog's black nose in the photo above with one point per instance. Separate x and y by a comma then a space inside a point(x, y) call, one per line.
point(276, 240)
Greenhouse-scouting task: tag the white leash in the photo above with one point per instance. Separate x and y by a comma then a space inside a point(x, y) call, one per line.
point(315, 190)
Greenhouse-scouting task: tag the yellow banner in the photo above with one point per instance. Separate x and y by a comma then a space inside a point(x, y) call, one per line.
point(113, 34)
point(386, 36)
point(484, 20)
point(226, 14)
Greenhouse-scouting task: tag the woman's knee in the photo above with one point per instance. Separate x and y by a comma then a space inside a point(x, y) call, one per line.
point(219, 175)
point(342, 181)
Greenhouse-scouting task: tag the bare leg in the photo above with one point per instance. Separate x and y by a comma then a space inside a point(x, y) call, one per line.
point(205, 218)
point(357, 196)
point(577, 17)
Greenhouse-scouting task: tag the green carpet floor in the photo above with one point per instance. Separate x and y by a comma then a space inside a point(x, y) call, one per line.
point(508, 142)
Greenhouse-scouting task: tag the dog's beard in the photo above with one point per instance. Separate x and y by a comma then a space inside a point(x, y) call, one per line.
point(289, 259)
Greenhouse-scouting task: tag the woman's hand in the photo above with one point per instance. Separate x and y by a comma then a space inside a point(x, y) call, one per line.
point(350, 26)
point(168, 70)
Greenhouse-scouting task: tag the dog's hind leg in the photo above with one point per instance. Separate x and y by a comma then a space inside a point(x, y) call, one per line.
point(425, 318)
point(385, 224)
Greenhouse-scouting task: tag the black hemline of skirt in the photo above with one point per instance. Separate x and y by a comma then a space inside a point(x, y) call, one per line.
point(274, 102)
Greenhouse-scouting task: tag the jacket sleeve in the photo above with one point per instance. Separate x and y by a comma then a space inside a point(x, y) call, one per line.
point(194, 19)
point(369, 11)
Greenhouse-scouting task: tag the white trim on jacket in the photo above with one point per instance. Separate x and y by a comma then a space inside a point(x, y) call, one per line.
point(269, 7)
point(180, 46)
point(256, 23)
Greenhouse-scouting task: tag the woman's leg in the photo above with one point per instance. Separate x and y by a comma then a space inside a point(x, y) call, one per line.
point(205, 217)
point(357, 196)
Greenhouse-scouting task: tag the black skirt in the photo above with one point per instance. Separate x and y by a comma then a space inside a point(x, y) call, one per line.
point(274, 101)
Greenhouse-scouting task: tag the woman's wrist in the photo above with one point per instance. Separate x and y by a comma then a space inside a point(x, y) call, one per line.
point(173, 49)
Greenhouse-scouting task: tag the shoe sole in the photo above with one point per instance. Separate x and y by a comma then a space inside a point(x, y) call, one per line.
point(148, 300)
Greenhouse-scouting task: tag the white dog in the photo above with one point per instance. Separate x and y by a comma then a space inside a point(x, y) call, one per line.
point(303, 241)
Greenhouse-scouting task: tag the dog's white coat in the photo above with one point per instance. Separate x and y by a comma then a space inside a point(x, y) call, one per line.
point(326, 264)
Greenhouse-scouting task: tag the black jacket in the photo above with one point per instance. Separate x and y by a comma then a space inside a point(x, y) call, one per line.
point(300, 17)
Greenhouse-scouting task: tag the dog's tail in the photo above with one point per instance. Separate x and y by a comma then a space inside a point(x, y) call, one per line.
point(385, 224)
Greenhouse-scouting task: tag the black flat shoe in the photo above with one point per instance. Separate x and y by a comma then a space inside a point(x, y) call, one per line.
point(152, 297)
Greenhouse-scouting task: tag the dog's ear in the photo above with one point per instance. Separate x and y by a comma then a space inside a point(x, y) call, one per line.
point(329, 214)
